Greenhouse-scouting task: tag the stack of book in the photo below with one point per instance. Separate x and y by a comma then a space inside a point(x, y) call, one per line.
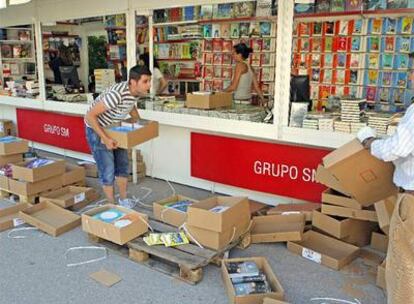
point(379, 121)
point(356, 126)
point(351, 109)
point(342, 126)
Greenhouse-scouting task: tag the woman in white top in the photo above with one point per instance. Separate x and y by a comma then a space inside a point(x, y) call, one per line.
point(244, 79)
point(159, 81)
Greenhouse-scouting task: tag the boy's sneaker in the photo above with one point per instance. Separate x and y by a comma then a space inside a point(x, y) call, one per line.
point(127, 203)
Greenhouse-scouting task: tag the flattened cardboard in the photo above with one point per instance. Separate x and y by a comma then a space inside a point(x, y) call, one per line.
point(366, 215)
point(27, 189)
point(277, 228)
point(110, 232)
point(73, 174)
point(169, 215)
point(68, 196)
point(381, 276)
point(213, 101)
point(128, 140)
point(10, 218)
point(20, 146)
point(332, 197)
point(105, 277)
point(305, 209)
point(324, 250)
point(20, 172)
point(6, 127)
point(365, 177)
point(10, 159)
point(384, 210)
point(379, 242)
point(326, 178)
point(277, 289)
point(4, 182)
point(200, 216)
point(50, 218)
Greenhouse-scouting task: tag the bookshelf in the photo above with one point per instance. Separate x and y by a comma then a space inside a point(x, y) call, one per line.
point(116, 53)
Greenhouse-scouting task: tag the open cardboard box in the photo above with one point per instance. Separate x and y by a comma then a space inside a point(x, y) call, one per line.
point(27, 188)
point(365, 215)
point(212, 101)
point(379, 242)
point(4, 182)
point(305, 209)
point(277, 289)
point(366, 178)
point(381, 275)
point(170, 215)
point(332, 197)
point(16, 146)
point(384, 209)
point(144, 130)
point(69, 196)
point(73, 174)
point(10, 159)
point(50, 218)
point(10, 217)
point(277, 228)
point(108, 231)
point(324, 250)
point(20, 172)
point(326, 178)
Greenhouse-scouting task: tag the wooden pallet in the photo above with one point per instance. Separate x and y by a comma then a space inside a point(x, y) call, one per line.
point(31, 199)
point(185, 262)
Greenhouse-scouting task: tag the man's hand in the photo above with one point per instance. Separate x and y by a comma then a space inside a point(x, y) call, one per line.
point(110, 143)
point(368, 142)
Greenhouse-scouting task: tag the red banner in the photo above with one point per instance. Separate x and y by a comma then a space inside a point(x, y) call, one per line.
point(59, 130)
point(271, 168)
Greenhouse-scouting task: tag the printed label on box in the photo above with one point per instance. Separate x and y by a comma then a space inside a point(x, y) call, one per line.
point(18, 221)
point(79, 197)
point(312, 255)
point(290, 212)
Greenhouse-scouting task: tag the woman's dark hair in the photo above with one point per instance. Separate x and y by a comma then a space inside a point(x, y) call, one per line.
point(243, 50)
point(145, 57)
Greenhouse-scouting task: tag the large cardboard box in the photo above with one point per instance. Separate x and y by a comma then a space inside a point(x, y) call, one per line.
point(69, 196)
point(21, 172)
point(109, 231)
point(10, 218)
point(143, 131)
point(384, 209)
point(365, 177)
point(13, 145)
point(305, 209)
point(326, 178)
point(4, 182)
point(379, 242)
point(277, 228)
point(381, 276)
point(212, 101)
point(366, 215)
point(27, 188)
point(324, 250)
point(10, 159)
point(171, 216)
point(50, 218)
point(73, 174)
point(332, 197)
point(277, 289)
point(6, 127)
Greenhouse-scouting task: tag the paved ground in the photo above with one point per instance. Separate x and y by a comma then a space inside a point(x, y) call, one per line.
point(34, 271)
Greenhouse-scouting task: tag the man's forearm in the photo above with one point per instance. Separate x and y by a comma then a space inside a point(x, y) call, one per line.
point(94, 124)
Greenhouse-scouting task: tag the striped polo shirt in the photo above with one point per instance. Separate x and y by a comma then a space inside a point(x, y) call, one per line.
point(118, 101)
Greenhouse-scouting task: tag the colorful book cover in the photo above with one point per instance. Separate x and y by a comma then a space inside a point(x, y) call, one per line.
point(402, 61)
point(244, 29)
point(337, 5)
point(339, 76)
point(316, 60)
point(354, 5)
point(217, 72)
point(263, 8)
point(398, 95)
point(343, 27)
point(374, 43)
point(373, 61)
point(224, 10)
point(389, 44)
point(235, 30)
point(386, 79)
point(316, 44)
point(305, 47)
point(328, 60)
point(269, 44)
point(217, 84)
point(341, 60)
point(216, 30)
point(303, 29)
point(295, 45)
point(255, 59)
point(384, 94)
point(357, 27)
point(217, 45)
point(324, 92)
point(329, 28)
point(328, 44)
point(217, 59)
point(327, 76)
point(227, 59)
point(371, 93)
point(400, 79)
point(341, 44)
point(206, 12)
point(208, 86)
point(372, 78)
point(265, 29)
point(227, 46)
point(267, 74)
point(304, 8)
point(376, 25)
point(387, 61)
point(243, 9)
point(390, 26)
point(404, 44)
point(339, 90)
point(354, 76)
point(323, 6)
point(408, 97)
point(406, 25)
point(227, 72)
point(207, 30)
point(208, 45)
point(393, 4)
point(356, 44)
point(315, 75)
point(356, 61)
point(317, 28)
point(189, 13)
point(215, 12)
point(372, 5)
point(225, 30)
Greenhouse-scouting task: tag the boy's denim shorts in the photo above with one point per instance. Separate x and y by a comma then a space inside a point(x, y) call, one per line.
point(110, 163)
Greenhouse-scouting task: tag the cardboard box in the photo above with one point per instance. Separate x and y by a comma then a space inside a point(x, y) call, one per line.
point(277, 289)
point(50, 218)
point(91, 170)
point(212, 101)
point(110, 232)
point(10, 159)
point(277, 228)
point(169, 215)
point(20, 172)
point(4, 182)
point(73, 174)
point(305, 209)
point(27, 189)
point(10, 218)
point(14, 147)
point(68, 196)
point(141, 167)
point(381, 276)
point(365, 177)
point(273, 301)
point(326, 178)
point(360, 232)
point(384, 210)
point(6, 127)
point(324, 250)
point(335, 198)
point(366, 215)
point(379, 242)
point(127, 140)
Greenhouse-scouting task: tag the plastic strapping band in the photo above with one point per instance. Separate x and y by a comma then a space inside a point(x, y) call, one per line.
point(89, 261)
point(336, 300)
point(146, 223)
point(20, 229)
point(183, 226)
point(171, 186)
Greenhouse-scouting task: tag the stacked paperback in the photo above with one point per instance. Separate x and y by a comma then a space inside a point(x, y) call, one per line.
point(351, 109)
point(379, 121)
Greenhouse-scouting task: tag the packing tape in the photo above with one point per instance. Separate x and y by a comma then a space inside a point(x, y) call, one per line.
point(86, 248)
point(146, 223)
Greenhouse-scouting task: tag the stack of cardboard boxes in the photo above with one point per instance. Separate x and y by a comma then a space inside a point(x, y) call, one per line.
point(141, 167)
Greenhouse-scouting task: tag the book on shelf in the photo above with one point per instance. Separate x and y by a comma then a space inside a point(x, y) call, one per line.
point(375, 25)
point(372, 78)
point(383, 94)
point(323, 6)
point(263, 8)
point(304, 8)
point(255, 59)
point(354, 5)
point(327, 76)
point(217, 72)
point(356, 60)
point(235, 30)
point(328, 44)
point(329, 28)
point(268, 45)
point(175, 14)
point(395, 4)
point(390, 25)
point(340, 60)
point(373, 43)
point(227, 46)
point(373, 61)
point(328, 60)
point(190, 13)
point(343, 28)
point(339, 76)
point(267, 59)
point(304, 45)
point(358, 27)
point(337, 5)
point(324, 91)
point(208, 45)
point(243, 9)
point(406, 25)
point(404, 44)
point(398, 95)
point(387, 61)
point(267, 29)
point(315, 60)
point(267, 74)
point(355, 77)
point(217, 58)
point(208, 58)
point(207, 30)
point(216, 30)
point(225, 30)
point(206, 12)
point(217, 45)
point(218, 85)
point(355, 44)
point(315, 75)
point(388, 44)
point(317, 28)
point(227, 72)
point(316, 44)
point(244, 29)
point(223, 10)
point(208, 71)
point(372, 5)
point(402, 61)
point(256, 45)
point(7, 51)
point(254, 30)
point(400, 79)
point(371, 94)
point(386, 79)
point(303, 29)
point(227, 59)
point(340, 44)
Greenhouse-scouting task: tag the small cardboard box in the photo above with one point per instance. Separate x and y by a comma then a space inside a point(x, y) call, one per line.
point(212, 101)
point(277, 290)
point(366, 215)
point(277, 228)
point(10, 159)
point(384, 210)
point(50, 218)
point(145, 130)
point(326, 178)
point(4, 182)
point(337, 227)
point(305, 209)
point(27, 189)
point(20, 172)
point(201, 216)
point(381, 276)
point(10, 218)
point(68, 196)
point(110, 232)
point(360, 232)
point(169, 215)
point(365, 177)
point(324, 250)
point(73, 174)
point(332, 197)
point(6, 127)
point(15, 146)
point(379, 242)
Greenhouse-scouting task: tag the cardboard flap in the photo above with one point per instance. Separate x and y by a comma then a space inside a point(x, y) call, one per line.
point(343, 152)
